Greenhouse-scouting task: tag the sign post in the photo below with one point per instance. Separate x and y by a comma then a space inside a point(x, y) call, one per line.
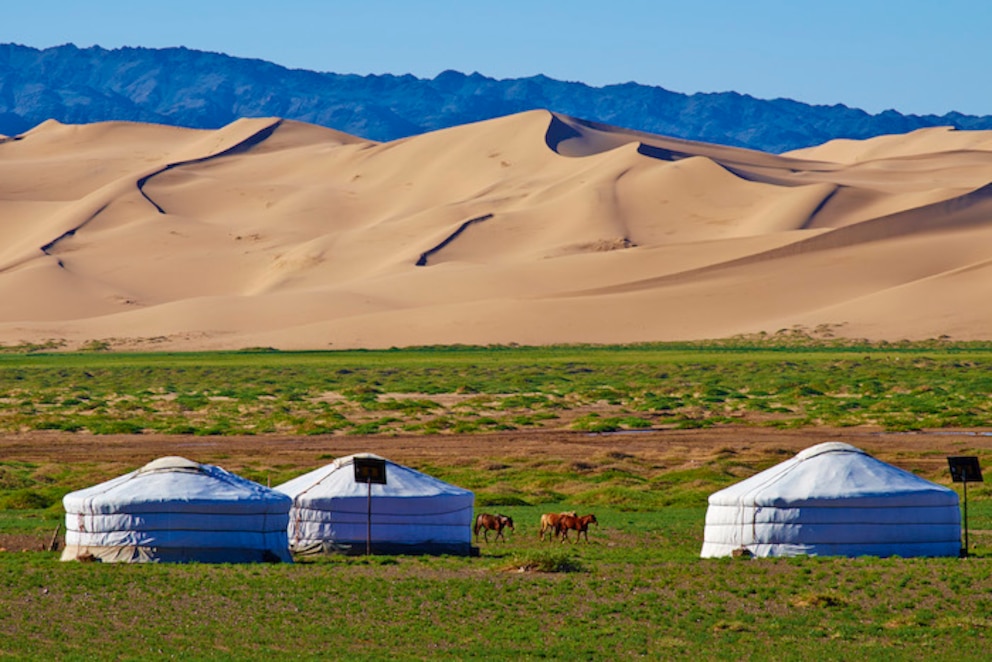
point(965, 469)
point(370, 470)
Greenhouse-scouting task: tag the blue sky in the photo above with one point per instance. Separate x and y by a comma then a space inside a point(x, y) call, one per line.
point(914, 56)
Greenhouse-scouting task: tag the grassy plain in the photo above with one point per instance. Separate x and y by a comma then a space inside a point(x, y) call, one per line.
point(466, 389)
point(639, 435)
point(636, 590)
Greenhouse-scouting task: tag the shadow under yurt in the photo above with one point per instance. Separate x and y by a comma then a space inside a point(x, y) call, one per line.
point(833, 500)
point(176, 510)
point(410, 513)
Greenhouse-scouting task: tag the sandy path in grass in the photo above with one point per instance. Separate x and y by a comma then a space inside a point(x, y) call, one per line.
point(657, 450)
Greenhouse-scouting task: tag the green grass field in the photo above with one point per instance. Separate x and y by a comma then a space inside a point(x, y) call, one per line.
point(466, 390)
point(637, 589)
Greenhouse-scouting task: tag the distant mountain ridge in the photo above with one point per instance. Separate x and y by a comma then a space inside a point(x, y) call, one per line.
point(197, 89)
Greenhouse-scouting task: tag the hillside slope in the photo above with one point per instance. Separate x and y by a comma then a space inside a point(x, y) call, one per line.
point(533, 228)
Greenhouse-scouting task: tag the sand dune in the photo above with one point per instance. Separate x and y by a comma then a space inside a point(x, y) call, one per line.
point(533, 228)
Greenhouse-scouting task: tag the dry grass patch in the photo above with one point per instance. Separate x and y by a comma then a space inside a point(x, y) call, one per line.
point(819, 600)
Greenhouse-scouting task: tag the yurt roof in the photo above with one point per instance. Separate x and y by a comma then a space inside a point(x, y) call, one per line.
point(176, 484)
point(833, 474)
point(337, 480)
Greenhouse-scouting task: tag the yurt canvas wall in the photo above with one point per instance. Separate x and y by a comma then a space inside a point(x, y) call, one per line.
point(413, 513)
point(833, 499)
point(176, 510)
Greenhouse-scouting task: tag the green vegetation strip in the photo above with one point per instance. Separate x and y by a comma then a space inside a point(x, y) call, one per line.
point(465, 390)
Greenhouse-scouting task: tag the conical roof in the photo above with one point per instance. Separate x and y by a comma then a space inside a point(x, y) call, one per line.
point(337, 480)
point(834, 473)
point(178, 485)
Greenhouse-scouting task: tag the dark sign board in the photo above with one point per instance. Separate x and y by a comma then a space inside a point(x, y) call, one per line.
point(965, 469)
point(370, 470)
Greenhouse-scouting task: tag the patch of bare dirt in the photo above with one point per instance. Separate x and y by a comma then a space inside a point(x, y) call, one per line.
point(24, 542)
point(923, 452)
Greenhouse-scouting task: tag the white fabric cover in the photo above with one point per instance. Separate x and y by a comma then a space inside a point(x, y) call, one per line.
point(411, 513)
point(833, 500)
point(174, 509)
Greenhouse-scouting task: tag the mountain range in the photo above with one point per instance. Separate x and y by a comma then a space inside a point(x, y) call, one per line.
point(196, 89)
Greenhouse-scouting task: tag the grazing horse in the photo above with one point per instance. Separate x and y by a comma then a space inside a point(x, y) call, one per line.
point(486, 523)
point(580, 524)
point(549, 524)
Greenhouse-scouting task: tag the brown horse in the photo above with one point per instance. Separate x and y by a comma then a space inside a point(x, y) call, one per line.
point(486, 523)
point(549, 524)
point(579, 524)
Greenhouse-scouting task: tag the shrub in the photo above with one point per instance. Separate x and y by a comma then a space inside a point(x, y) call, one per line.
point(26, 500)
point(491, 500)
point(546, 561)
point(64, 424)
point(110, 426)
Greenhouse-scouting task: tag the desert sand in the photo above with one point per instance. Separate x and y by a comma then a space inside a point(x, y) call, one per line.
point(533, 228)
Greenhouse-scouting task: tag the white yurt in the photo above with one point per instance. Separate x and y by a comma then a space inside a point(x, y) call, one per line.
point(177, 510)
point(833, 500)
point(412, 513)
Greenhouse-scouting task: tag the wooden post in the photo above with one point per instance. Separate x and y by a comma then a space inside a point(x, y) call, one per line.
point(53, 546)
point(965, 553)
